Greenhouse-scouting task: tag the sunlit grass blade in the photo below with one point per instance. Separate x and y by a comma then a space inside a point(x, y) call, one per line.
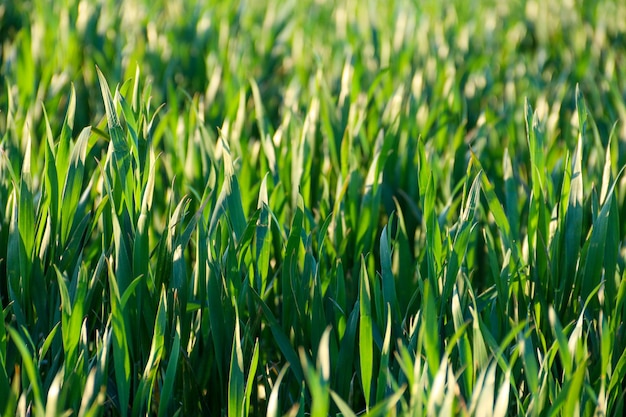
point(502, 401)
point(557, 330)
point(430, 330)
point(52, 409)
point(536, 147)
point(387, 407)
point(147, 385)
point(15, 252)
point(529, 362)
point(121, 354)
point(26, 217)
point(141, 249)
point(460, 242)
point(500, 217)
point(511, 187)
point(342, 405)
point(229, 200)
point(72, 318)
point(73, 185)
point(266, 140)
point(366, 339)
point(290, 278)
point(573, 226)
point(616, 394)
point(95, 389)
point(254, 362)
point(272, 404)
point(121, 149)
point(388, 280)
point(62, 154)
point(594, 260)
point(437, 394)
point(262, 240)
point(318, 377)
point(383, 384)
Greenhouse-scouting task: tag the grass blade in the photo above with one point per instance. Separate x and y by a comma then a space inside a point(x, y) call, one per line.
point(170, 375)
point(366, 339)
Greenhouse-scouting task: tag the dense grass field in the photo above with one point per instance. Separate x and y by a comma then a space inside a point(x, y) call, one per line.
point(311, 207)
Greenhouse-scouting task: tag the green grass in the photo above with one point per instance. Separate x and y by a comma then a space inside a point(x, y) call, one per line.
point(312, 208)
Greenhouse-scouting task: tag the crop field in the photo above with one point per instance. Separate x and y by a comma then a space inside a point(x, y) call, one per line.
point(312, 208)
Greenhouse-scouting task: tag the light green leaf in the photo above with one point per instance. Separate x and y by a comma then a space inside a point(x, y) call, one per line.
point(366, 340)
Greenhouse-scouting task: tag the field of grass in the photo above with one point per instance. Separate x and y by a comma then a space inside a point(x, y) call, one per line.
point(312, 207)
